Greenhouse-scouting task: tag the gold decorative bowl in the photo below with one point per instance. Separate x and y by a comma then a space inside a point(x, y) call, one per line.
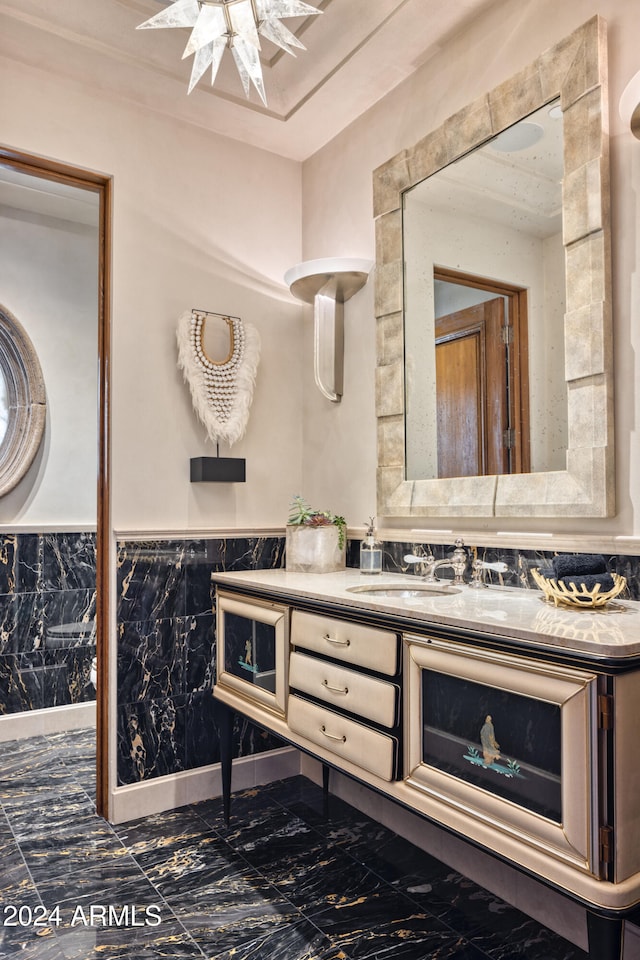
point(559, 592)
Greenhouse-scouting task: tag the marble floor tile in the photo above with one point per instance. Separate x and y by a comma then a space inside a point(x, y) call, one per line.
point(29, 944)
point(161, 830)
point(119, 883)
point(277, 881)
point(168, 940)
point(296, 939)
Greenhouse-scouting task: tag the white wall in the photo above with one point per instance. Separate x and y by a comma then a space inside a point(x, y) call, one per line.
point(49, 282)
point(202, 221)
point(503, 40)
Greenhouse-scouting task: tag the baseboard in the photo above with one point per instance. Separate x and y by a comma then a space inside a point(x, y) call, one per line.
point(33, 723)
point(191, 786)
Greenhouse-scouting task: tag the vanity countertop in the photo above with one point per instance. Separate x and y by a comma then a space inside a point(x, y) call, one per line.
point(612, 632)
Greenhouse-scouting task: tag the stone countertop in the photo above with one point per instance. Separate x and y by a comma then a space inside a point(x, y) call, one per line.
point(612, 632)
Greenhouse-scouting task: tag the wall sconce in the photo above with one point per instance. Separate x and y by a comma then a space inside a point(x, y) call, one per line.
point(629, 106)
point(328, 284)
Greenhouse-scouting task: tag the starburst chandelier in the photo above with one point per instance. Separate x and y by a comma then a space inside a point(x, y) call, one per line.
point(237, 24)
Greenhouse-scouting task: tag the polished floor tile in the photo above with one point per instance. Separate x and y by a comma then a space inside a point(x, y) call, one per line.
point(279, 880)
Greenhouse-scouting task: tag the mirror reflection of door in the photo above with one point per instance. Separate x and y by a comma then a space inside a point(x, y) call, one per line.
point(56, 245)
point(481, 376)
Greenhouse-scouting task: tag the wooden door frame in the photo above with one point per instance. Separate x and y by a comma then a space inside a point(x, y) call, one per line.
point(101, 184)
point(519, 323)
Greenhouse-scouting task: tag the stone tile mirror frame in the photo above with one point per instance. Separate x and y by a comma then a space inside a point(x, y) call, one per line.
point(576, 71)
point(25, 400)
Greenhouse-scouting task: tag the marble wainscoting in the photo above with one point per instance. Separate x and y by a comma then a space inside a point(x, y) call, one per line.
point(519, 563)
point(167, 717)
point(47, 620)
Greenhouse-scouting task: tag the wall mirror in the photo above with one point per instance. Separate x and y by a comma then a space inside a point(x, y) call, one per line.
point(22, 402)
point(476, 221)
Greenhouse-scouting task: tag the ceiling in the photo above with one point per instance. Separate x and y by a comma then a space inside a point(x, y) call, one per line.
point(357, 51)
point(519, 187)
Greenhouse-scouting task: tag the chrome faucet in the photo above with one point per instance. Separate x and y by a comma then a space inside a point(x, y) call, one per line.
point(457, 561)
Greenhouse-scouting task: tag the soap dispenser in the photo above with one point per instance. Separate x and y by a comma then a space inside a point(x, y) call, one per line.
point(370, 551)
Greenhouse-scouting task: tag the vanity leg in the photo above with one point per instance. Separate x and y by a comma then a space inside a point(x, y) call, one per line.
point(325, 791)
point(606, 937)
point(226, 757)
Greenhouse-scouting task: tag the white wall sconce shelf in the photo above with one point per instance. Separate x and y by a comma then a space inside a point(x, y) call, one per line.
point(328, 283)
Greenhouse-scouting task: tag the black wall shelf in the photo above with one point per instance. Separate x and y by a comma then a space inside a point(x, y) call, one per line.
point(218, 470)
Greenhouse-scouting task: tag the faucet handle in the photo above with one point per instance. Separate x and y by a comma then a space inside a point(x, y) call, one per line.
point(479, 566)
point(498, 566)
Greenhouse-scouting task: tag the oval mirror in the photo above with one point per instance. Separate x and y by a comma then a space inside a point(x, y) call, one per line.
point(22, 402)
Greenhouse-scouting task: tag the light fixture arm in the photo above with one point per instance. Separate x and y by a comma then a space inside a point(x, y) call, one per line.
point(328, 341)
point(328, 284)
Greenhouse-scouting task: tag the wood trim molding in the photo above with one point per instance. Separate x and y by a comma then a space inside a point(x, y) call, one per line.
point(101, 184)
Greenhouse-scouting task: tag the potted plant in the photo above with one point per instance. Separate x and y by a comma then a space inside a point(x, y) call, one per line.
point(316, 539)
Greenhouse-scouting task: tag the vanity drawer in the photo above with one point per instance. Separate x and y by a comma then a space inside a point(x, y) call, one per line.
point(352, 642)
point(366, 748)
point(344, 688)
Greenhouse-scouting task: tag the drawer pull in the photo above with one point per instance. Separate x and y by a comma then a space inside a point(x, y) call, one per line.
point(342, 643)
point(331, 736)
point(327, 686)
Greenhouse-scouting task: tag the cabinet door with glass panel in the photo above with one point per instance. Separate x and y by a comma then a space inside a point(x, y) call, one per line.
point(252, 644)
point(509, 740)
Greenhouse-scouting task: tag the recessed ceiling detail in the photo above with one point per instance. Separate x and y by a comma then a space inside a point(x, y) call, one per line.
point(356, 53)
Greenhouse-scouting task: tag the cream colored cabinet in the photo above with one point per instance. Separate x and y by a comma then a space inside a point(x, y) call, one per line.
point(523, 750)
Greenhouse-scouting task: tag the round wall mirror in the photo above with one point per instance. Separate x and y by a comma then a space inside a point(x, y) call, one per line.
point(23, 405)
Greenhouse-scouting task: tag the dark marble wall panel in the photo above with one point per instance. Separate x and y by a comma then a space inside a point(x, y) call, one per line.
point(75, 606)
point(69, 561)
point(150, 739)
point(19, 562)
point(519, 563)
point(77, 674)
point(21, 677)
point(199, 651)
point(151, 578)
point(167, 717)
point(46, 581)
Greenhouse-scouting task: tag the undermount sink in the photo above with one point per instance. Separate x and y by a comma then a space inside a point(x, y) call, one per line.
point(405, 591)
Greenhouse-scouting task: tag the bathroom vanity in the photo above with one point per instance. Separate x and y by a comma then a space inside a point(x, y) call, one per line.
point(490, 712)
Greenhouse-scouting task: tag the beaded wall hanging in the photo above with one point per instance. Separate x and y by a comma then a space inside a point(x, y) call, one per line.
point(221, 390)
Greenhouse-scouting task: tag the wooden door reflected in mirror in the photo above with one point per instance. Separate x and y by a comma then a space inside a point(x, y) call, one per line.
point(481, 376)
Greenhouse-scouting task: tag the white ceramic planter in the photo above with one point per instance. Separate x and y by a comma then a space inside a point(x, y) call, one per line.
point(314, 549)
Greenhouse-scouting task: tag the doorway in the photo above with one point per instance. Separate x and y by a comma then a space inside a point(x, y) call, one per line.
point(17, 163)
point(481, 371)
